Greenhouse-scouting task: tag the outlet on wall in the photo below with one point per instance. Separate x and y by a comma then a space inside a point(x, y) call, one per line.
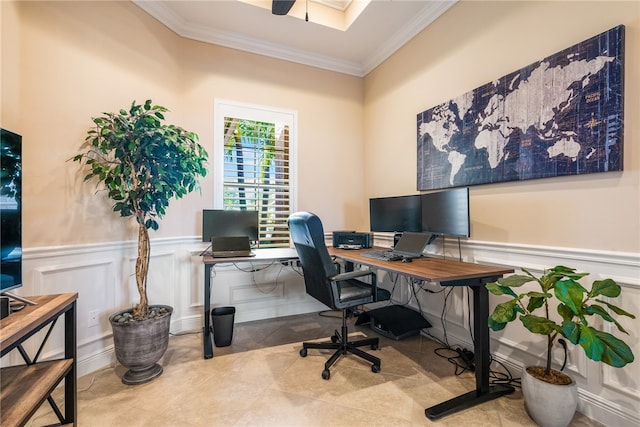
point(93, 318)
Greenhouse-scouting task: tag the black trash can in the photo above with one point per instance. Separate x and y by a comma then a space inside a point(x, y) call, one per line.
point(222, 321)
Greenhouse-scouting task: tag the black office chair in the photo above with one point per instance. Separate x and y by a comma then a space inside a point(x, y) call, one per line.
point(339, 291)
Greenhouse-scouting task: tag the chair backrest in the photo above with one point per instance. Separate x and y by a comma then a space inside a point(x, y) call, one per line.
point(307, 234)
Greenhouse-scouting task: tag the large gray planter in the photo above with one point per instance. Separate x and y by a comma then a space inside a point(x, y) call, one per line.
point(139, 345)
point(549, 405)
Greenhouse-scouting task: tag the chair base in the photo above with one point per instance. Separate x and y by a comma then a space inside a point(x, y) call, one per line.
point(342, 346)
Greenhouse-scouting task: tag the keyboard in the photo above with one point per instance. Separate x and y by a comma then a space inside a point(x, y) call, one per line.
point(382, 255)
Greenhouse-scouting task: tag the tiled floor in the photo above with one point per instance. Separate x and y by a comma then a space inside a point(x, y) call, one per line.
point(261, 380)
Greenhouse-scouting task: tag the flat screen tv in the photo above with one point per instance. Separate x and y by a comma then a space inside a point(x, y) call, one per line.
point(229, 223)
point(446, 213)
point(10, 210)
point(395, 214)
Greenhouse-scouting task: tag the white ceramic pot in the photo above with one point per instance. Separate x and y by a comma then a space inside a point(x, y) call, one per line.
point(549, 405)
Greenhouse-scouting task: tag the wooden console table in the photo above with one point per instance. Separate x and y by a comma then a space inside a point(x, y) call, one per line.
point(23, 388)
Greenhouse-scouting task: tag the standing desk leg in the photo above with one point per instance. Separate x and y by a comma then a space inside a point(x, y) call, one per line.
point(71, 379)
point(484, 392)
point(206, 332)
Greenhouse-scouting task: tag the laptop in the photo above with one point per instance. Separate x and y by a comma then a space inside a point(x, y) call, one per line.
point(409, 246)
point(229, 247)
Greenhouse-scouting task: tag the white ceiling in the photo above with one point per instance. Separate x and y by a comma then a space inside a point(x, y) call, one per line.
point(381, 29)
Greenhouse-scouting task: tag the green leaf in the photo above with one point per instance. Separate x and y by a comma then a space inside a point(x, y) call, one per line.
point(596, 309)
point(565, 312)
point(535, 302)
point(496, 326)
point(615, 352)
point(505, 312)
point(570, 293)
point(571, 331)
point(496, 289)
point(606, 287)
point(539, 325)
point(515, 280)
point(616, 310)
point(600, 311)
point(589, 341)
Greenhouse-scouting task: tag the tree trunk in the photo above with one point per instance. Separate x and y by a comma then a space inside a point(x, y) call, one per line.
point(549, 347)
point(142, 267)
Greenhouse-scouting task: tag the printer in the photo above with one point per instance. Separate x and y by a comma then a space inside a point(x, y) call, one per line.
point(352, 240)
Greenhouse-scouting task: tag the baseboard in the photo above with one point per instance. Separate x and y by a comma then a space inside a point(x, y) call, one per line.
point(606, 411)
point(96, 361)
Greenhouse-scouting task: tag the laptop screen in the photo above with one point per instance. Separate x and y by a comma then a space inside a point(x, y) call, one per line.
point(222, 244)
point(411, 244)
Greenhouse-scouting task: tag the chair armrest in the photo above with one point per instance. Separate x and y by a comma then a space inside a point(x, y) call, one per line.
point(352, 275)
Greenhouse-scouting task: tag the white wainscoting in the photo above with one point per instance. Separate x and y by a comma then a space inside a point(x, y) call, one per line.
point(103, 277)
point(102, 274)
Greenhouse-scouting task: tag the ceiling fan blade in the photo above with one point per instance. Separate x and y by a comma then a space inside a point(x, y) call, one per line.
point(281, 7)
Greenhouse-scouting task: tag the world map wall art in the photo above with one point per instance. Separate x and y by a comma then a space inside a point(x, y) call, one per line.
point(559, 116)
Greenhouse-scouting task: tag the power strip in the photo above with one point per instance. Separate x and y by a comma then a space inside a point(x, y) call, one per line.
point(467, 357)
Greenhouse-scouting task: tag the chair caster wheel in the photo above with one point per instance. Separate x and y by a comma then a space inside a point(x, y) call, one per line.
point(375, 368)
point(303, 352)
point(374, 346)
point(326, 374)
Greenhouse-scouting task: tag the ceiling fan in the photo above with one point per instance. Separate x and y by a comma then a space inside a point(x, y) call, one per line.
point(281, 7)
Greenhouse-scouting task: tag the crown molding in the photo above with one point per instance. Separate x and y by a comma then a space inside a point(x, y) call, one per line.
point(421, 21)
point(232, 40)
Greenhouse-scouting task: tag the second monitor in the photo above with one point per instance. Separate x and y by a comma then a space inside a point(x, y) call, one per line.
point(446, 213)
point(441, 213)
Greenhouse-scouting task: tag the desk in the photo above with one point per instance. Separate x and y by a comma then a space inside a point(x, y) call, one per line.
point(451, 273)
point(266, 255)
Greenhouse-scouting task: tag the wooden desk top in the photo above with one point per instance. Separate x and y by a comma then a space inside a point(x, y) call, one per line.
point(262, 255)
point(427, 268)
point(17, 324)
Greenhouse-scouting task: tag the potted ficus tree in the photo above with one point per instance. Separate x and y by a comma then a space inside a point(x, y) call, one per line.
point(141, 164)
point(550, 395)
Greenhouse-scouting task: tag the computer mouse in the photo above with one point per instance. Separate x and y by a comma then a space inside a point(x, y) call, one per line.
point(407, 260)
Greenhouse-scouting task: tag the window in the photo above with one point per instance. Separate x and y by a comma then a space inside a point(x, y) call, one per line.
point(254, 166)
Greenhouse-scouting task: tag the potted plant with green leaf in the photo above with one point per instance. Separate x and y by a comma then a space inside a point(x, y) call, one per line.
point(577, 308)
point(142, 163)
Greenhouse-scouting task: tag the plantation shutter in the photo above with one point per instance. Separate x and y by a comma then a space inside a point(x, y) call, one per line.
point(257, 175)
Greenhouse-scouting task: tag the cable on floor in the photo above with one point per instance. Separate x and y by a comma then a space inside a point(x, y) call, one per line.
point(454, 358)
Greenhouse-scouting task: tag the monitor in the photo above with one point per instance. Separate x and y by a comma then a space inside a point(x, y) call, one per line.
point(10, 210)
point(395, 214)
point(229, 223)
point(446, 213)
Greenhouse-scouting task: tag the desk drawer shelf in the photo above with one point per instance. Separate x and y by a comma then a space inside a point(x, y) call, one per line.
point(26, 387)
point(23, 388)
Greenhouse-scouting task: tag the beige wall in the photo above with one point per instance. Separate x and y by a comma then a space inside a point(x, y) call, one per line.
point(470, 45)
point(65, 62)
